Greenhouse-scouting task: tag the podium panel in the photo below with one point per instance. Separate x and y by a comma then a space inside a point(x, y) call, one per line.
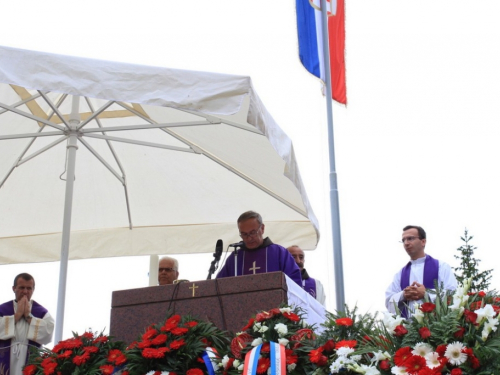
point(227, 302)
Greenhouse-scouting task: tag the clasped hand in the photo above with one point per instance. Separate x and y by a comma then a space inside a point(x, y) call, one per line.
point(23, 309)
point(414, 292)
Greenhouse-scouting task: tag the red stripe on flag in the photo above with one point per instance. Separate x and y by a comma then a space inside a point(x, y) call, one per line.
point(336, 40)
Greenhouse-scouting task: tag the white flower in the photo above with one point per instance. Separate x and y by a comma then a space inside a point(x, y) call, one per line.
point(356, 357)
point(454, 353)
point(364, 369)
point(225, 360)
point(257, 342)
point(303, 323)
point(236, 363)
point(490, 325)
point(419, 315)
point(240, 367)
point(281, 329)
point(344, 351)
point(283, 341)
point(432, 359)
point(291, 367)
point(379, 356)
point(286, 309)
point(256, 326)
point(390, 322)
point(421, 349)
point(263, 329)
point(162, 373)
point(396, 370)
point(335, 367)
point(485, 313)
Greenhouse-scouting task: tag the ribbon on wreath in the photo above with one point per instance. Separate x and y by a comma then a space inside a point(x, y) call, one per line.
point(278, 360)
point(207, 358)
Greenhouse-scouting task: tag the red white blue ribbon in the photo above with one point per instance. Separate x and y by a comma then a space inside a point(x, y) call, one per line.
point(207, 355)
point(278, 360)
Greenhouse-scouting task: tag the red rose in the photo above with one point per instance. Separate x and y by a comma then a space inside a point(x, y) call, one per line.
point(384, 365)
point(456, 371)
point(470, 316)
point(481, 294)
point(441, 349)
point(107, 369)
point(344, 322)
point(424, 332)
point(427, 307)
point(459, 333)
point(329, 346)
point(400, 330)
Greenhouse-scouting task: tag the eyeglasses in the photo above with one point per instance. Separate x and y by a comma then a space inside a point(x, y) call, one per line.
point(168, 269)
point(409, 239)
point(250, 234)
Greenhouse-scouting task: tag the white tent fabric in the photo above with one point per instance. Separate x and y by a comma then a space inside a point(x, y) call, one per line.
point(207, 151)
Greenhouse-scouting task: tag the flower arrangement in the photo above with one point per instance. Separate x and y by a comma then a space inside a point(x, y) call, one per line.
point(89, 353)
point(277, 329)
point(179, 345)
point(336, 349)
point(455, 334)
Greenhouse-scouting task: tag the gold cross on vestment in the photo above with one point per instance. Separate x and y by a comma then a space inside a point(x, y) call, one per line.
point(253, 269)
point(193, 287)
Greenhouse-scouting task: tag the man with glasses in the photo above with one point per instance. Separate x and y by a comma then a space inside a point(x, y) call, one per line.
point(168, 271)
point(409, 285)
point(258, 254)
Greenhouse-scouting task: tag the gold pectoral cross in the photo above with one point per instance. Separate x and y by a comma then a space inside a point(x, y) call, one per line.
point(193, 287)
point(253, 269)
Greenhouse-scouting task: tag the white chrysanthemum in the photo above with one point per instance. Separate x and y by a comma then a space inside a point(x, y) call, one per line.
point(390, 322)
point(225, 360)
point(335, 367)
point(380, 356)
point(432, 359)
point(257, 341)
point(263, 329)
point(281, 328)
point(421, 349)
point(396, 370)
point(356, 357)
point(285, 309)
point(485, 312)
point(283, 341)
point(291, 367)
point(454, 353)
point(343, 361)
point(344, 351)
point(236, 363)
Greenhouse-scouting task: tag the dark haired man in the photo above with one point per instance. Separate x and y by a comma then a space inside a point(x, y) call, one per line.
point(23, 322)
point(258, 254)
point(409, 285)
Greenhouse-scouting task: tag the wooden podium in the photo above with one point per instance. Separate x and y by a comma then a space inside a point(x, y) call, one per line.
point(228, 303)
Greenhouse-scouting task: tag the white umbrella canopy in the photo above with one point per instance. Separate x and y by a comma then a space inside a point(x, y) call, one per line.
point(164, 161)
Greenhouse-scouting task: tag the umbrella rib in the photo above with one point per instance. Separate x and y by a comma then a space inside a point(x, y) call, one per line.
point(218, 120)
point(140, 143)
point(32, 117)
point(143, 127)
point(117, 159)
point(54, 108)
point(24, 101)
point(101, 159)
point(31, 135)
point(94, 113)
point(49, 146)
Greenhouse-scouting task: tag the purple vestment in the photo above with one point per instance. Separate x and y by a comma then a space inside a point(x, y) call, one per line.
point(431, 275)
point(267, 258)
point(308, 283)
point(7, 309)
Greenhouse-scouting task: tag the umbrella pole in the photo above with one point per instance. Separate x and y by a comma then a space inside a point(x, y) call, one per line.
point(72, 146)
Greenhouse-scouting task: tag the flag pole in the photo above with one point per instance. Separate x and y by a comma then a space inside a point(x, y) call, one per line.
point(334, 193)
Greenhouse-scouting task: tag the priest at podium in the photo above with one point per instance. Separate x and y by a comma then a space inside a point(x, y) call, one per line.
point(258, 254)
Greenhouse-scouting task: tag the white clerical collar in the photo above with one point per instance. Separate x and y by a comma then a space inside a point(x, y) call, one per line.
point(419, 260)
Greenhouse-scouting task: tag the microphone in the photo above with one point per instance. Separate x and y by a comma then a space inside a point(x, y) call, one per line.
point(237, 244)
point(218, 249)
point(217, 254)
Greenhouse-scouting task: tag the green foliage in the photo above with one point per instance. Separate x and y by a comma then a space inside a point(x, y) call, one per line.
point(468, 268)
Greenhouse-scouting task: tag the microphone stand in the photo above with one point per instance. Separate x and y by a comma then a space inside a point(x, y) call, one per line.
point(214, 265)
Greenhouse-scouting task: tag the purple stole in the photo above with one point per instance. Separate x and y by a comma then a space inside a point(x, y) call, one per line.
point(7, 309)
point(309, 286)
point(431, 275)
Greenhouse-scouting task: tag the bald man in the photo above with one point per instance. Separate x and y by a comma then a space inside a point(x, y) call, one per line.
point(310, 285)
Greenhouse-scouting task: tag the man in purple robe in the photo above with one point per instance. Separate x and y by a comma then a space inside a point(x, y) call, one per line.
point(310, 285)
point(23, 323)
point(410, 285)
point(258, 254)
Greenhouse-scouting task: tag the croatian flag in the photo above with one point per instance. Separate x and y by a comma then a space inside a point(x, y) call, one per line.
point(310, 35)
